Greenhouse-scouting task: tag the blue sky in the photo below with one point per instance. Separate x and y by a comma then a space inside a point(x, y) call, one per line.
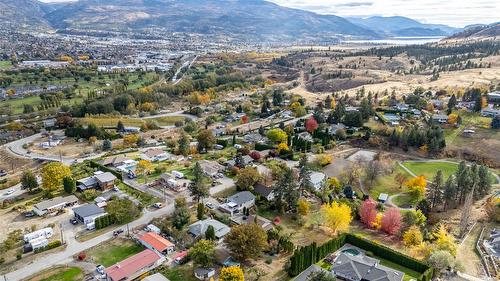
point(450, 12)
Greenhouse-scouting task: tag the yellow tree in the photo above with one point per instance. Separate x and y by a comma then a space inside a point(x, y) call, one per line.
point(144, 167)
point(53, 174)
point(444, 240)
point(130, 140)
point(336, 216)
point(412, 237)
point(422, 251)
point(417, 186)
point(231, 273)
point(282, 147)
point(303, 207)
point(453, 119)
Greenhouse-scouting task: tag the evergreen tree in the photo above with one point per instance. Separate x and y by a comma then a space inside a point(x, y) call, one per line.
point(304, 175)
point(184, 144)
point(107, 145)
point(484, 182)
point(478, 104)
point(328, 102)
point(69, 184)
point(450, 192)
point(198, 188)
point(200, 211)
point(436, 191)
point(338, 113)
point(286, 191)
point(495, 122)
point(452, 103)
point(210, 233)
point(120, 127)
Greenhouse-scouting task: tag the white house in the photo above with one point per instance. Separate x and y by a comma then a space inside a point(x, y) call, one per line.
point(156, 154)
point(264, 191)
point(88, 213)
point(236, 203)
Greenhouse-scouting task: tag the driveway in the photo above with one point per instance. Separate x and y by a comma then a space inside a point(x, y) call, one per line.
point(225, 183)
point(74, 247)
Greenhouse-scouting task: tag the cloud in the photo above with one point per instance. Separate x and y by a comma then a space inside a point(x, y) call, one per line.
point(355, 4)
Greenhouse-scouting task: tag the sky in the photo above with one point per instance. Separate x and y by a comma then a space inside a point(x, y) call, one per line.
point(457, 13)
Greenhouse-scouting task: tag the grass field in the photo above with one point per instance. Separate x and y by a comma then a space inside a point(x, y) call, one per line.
point(429, 169)
point(134, 122)
point(5, 64)
point(114, 251)
point(60, 274)
point(387, 183)
point(17, 104)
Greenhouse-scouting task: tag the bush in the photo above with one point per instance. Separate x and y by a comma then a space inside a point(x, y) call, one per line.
point(51, 245)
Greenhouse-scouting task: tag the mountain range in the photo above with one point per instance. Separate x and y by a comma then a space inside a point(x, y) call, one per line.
point(252, 20)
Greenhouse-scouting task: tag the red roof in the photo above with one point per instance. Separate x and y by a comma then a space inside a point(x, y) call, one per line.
point(156, 241)
point(131, 265)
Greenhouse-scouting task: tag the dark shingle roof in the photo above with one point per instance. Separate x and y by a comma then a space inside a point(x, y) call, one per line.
point(88, 210)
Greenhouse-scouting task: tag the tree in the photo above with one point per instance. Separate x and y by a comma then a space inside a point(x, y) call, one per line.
point(441, 260)
point(202, 253)
point(353, 119)
point(144, 167)
point(336, 216)
point(200, 211)
point(492, 208)
point(28, 180)
point(436, 190)
point(107, 145)
point(247, 178)
point(368, 212)
point(391, 221)
point(444, 240)
point(198, 188)
point(184, 144)
point(412, 236)
point(414, 218)
point(286, 191)
point(321, 276)
point(452, 103)
point(246, 241)
point(277, 135)
point(231, 273)
point(130, 140)
point(206, 140)
point(69, 184)
point(311, 125)
point(400, 178)
point(181, 213)
point(372, 170)
point(484, 182)
point(304, 174)
point(303, 207)
point(417, 186)
point(450, 192)
point(453, 118)
point(53, 174)
point(122, 210)
point(210, 233)
point(120, 127)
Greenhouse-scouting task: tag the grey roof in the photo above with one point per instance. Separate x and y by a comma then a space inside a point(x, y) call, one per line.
point(439, 117)
point(262, 190)
point(203, 271)
point(105, 177)
point(113, 160)
point(200, 227)
point(304, 275)
point(88, 181)
point(55, 202)
point(241, 198)
point(156, 277)
point(210, 167)
point(361, 267)
point(246, 160)
point(88, 210)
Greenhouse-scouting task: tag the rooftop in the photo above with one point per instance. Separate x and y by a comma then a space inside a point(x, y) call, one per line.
point(131, 265)
point(88, 210)
point(241, 198)
point(47, 204)
point(200, 227)
point(156, 241)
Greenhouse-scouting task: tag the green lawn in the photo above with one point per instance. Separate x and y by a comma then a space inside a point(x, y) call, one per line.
point(143, 197)
point(179, 273)
point(114, 251)
point(405, 200)
point(387, 183)
point(5, 64)
point(61, 274)
point(168, 120)
point(17, 104)
point(429, 169)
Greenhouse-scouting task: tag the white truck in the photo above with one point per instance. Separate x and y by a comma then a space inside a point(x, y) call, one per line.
point(45, 233)
point(178, 174)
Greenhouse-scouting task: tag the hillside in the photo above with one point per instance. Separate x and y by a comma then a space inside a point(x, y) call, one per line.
point(245, 19)
point(23, 14)
point(478, 31)
point(403, 26)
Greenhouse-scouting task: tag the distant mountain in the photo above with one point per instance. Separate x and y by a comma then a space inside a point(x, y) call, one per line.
point(403, 26)
point(245, 19)
point(478, 31)
point(23, 14)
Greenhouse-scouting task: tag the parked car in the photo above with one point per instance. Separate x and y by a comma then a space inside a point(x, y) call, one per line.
point(158, 205)
point(116, 189)
point(117, 232)
point(100, 269)
point(29, 214)
point(3, 173)
point(9, 192)
point(73, 221)
point(210, 205)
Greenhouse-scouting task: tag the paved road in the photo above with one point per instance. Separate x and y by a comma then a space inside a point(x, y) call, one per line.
point(177, 113)
point(74, 247)
point(187, 64)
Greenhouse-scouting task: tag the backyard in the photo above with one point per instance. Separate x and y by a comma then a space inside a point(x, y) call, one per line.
point(60, 274)
point(113, 251)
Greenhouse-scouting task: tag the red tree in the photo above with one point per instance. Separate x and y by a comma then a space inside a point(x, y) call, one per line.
point(368, 212)
point(391, 221)
point(244, 119)
point(255, 155)
point(311, 125)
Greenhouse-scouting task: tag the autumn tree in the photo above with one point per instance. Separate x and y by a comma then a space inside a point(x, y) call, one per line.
point(130, 140)
point(400, 178)
point(412, 236)
point(28, 180)
point(368, 212)
point(453, 119)
point(247, 178)
point(206, 140)
point(144, 167)
point(492, 208)
point(231, 273)
point(303, 207)
point(311, 125)
point(391, 221)
point(336, 216)
point(417, 186)
point(444, 240)
point(53, 174)
point(203, 253)
point(246, 241)
point(277, 135)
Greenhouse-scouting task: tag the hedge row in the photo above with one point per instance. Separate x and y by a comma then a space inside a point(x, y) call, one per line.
point(308, 255)
point(104, 221)
point(94, 164)
point(262, 146)
point(51, 245)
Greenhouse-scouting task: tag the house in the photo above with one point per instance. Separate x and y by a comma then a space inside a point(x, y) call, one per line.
point(88, 213)
point(168, 181)
point(304, 275)
point(114, 161)
point(204, 273)
point(402, 107)
point(156, 154)
point(255, 138)
point(211, 168)
point(437, 103)
point(490, 112)
point(260, 221)
point(237, 202)
point(132, 267)
point(128, 166)
point(494, 97)
point(439, 119)
point(264, 191)
point(100, 180)
point(156, 277)
point(54, 204)
point(49, 123)
point(199, 228)
point(335, 127)
point(382, 198)
point(305, 136)
point(360, 267)
point(317, 179)
point(155, 242)
point(246, 160)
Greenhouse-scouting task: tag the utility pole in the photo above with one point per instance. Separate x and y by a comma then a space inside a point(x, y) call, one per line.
point(62, 234)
